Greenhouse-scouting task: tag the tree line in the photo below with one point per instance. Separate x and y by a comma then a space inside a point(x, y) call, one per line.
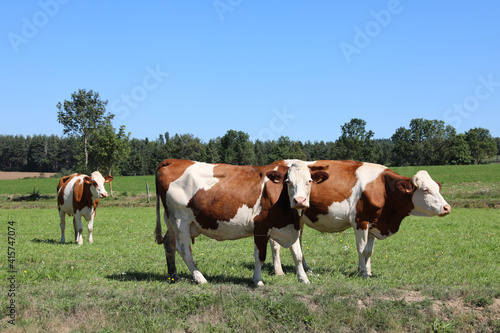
point(426, 142)
point(92, 143)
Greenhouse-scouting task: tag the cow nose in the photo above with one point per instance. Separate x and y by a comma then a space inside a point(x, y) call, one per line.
point(300, 202)
point(104, 195)
point(446, 210)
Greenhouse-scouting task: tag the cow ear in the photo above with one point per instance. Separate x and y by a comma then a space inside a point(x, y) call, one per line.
point(272, 189)
point(440, 187)
point(275, 176)
point(320, 176)
point(88, 180)
point(107, 179)
point(406, 186)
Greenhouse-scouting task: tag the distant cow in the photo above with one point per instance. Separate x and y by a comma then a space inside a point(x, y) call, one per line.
point(370, 198)
point(78, 195)
point(227, 202)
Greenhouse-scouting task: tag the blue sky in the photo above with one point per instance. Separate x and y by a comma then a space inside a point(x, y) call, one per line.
point(268, 68)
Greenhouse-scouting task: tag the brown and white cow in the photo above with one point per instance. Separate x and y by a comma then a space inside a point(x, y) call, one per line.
point(78, 195)
point(370, 198)
point(226, 202)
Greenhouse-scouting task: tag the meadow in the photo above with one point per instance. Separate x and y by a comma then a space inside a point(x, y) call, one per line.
point(434, 275)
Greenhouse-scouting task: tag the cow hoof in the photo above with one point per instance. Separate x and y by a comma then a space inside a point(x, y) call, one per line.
point(280, 273)
point(259, 284)
point(173, 278)
point(201, 281)
point(306, 281)
point(199, 278)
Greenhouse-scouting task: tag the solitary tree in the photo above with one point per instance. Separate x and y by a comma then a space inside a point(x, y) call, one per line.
point(82, 115)
point(109, 147)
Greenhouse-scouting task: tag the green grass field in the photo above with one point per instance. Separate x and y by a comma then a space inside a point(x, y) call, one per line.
point(434, 275)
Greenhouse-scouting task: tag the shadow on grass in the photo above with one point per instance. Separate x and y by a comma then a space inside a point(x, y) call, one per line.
point(345, 272)
point(143, 276)
point(34, 196)
point(54, 242)
point(268, 267)
point(47, 241)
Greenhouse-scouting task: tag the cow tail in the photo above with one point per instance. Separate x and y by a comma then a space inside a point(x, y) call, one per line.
point(158, 232)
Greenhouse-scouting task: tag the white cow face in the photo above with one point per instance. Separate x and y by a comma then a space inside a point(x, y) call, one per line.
point(97, 181)
point(298, 181)
point(426, 197)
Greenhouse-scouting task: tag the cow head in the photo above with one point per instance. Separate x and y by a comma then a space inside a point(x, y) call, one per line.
point(97, 182)
point(298, 180)
point(426, 198)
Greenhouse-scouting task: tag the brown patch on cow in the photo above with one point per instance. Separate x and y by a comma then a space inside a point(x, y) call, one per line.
point(238, 186)
point(386, 202)
point(337, 188)
point(370, 204)
point(82, 196)
point(276, 212)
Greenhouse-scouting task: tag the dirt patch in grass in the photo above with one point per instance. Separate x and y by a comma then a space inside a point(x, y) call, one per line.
point(6, 175)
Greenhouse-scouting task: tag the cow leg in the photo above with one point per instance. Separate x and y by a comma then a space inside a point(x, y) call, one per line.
point(78, 228)
point(364, 250)
point(183, 246)
point(169, 245)
point(260, 256)
point(304, 264)
point(90, 226)
point(75, 228)
point(298, 258)
point(275, 249)
point(368, 254)
point(62, 216)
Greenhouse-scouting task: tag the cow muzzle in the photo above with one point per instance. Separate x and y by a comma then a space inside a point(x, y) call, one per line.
point(104, 195)
point(300, 203)
point(445, 211)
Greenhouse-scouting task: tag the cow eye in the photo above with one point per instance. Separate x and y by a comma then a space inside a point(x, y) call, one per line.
point(287, 180)
point(309, 181)
point(426, 190)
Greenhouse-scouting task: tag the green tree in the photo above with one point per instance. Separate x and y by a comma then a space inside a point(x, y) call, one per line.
point(14, 153)
point(426, 142)
point(262, 152)
point(109, 147)
point(481, 143)
point(497, 140)
point(355, 141)
point(82, 115)
point(37, 157)
point(402, 152)
point(236, 148)
point(459, 151)
point(213, 148)
point(383, 151)
point(429, 141)
point(186, 146)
